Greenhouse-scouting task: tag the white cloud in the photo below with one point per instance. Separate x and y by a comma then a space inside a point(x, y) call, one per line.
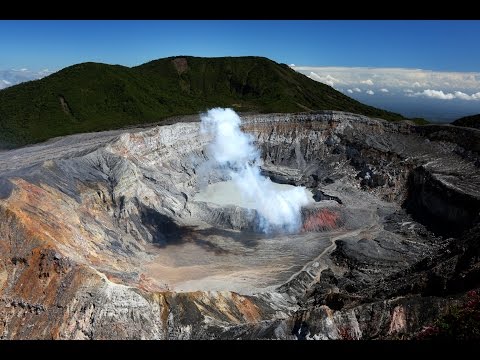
point(384, 90)
point(325, 79)
point(462, 95)
point(436, 94)
point(17, 76)
point(292, 65)
point(439, 94)
point(460, 91)
point(396, 80)
point(370, 92)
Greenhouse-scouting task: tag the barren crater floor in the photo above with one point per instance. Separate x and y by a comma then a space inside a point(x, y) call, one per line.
point(238, 262)
point(243, 261)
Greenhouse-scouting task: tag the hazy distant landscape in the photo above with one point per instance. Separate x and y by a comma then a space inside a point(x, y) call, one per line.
point(438, 96)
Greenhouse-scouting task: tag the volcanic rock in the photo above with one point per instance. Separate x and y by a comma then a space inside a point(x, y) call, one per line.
point(100, 237)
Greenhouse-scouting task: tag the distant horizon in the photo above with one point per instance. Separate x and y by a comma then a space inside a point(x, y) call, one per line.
point(439, 62)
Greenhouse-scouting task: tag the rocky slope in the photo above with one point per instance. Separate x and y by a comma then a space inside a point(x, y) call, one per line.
point(100, 236)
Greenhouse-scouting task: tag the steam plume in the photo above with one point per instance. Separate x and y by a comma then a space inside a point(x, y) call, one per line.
point(234, 153)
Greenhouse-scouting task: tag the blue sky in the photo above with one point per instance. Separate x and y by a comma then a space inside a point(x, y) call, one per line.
point(428, 68)
point(434, 45)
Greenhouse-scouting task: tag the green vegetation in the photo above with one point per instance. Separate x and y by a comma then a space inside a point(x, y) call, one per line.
point(92, 97)
point(468, 121)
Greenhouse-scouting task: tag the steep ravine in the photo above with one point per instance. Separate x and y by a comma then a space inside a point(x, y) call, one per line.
point(100, 236)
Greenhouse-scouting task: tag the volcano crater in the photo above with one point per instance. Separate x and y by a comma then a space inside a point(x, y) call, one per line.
point(126, 216)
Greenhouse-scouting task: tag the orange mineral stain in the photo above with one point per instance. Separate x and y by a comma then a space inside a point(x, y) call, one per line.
point(322, 220)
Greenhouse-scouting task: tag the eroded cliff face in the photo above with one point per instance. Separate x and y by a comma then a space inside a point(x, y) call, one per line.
point(100, 236)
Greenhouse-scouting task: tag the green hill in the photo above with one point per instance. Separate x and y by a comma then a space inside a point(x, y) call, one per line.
point(472, 121)
point(92, 96)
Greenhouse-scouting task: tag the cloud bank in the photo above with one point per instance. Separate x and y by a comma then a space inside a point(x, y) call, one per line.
point(439, 94)
point(440, 85)
point(16, 76)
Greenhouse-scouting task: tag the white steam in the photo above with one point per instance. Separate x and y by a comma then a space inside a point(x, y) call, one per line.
point(235, 154)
